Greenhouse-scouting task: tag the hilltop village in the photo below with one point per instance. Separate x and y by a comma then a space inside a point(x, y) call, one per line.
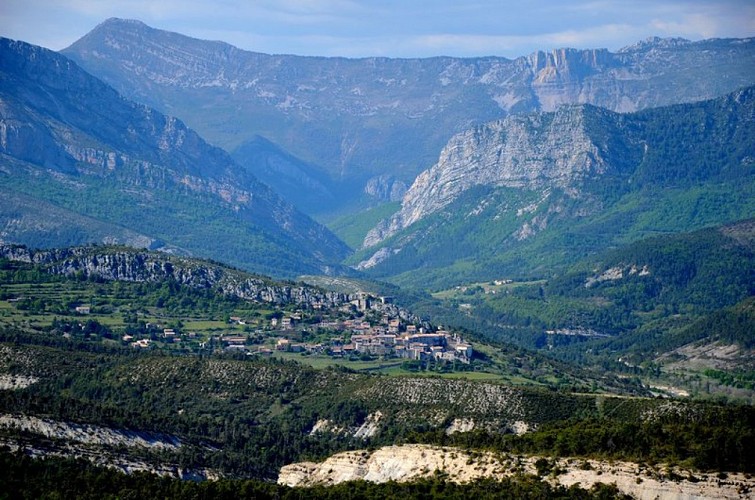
point(366, 327)
point(373, 329)
point(387, 341)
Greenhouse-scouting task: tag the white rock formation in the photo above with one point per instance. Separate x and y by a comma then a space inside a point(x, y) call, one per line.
point(536, 151)
point(409, 462)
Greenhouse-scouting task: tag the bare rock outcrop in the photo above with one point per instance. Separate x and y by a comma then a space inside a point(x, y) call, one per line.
point(536, 152)
point(410, 462)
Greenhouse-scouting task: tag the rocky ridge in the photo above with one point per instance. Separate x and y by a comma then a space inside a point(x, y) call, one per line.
point(124, 264)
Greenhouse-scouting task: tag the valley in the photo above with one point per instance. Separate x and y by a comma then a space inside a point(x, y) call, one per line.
point(352, 118)
point(231, 274)
point(122, 351)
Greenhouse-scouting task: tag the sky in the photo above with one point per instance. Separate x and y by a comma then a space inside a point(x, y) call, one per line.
point(390, 28)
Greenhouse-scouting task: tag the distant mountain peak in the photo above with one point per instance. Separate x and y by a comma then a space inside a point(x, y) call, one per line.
point(655, 41)
point(353, 118)
point(140, 169)
point(120, 21)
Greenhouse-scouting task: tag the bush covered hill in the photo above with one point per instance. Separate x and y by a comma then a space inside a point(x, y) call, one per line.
point(248, 417)
point(638, 308)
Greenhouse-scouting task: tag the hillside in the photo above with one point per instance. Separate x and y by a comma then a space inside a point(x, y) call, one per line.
point(147, 362)
point(353, 118)
point(246, 418)
point(80, 164)
point(526, 196)
point(675, 310)
point(130, 297)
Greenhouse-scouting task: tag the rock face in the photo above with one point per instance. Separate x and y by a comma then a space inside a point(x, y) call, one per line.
point(120, 264)
point(537, 151)
point(132, 265)
point(89, 434)
point(71, 133)
point(361, 118)
point(385, 188)
point(103, 446)
point(410, 462)
point(390, 463)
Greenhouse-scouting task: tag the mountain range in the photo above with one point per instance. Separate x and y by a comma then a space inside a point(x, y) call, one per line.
point(80, 163)
point(523, 196)
point(580, 222)
point(379, 121)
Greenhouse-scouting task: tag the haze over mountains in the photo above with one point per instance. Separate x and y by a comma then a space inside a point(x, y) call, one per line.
point(80, 163)
point(546, 183)
point(580, 222)
point(384, 120)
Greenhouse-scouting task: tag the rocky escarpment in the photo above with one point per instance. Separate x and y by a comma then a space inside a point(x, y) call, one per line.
point(131, 265)
point(535, 152)
point(103, 446)
point(89, 434)
point(412, 462)
point(123, 264)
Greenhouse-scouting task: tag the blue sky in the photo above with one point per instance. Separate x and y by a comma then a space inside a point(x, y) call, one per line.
point(392, 28)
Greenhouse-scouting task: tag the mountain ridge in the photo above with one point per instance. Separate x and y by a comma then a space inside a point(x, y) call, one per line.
point(557, 150)
point(354, 117)
point(578, 180)
point(72, 132)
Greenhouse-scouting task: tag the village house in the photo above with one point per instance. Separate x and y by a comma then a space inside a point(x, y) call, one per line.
point(233, 340)
point(236, 320)
point(348, 349)
point(394, 326)
point(236, 347)
point(418, 346)
point(297, 347)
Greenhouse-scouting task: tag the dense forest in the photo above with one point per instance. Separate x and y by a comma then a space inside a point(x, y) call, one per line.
point(26, 478)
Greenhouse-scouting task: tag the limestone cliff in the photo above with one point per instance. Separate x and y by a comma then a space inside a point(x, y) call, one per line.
point(412, 462)
point(126, 264)
point(537, 152)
